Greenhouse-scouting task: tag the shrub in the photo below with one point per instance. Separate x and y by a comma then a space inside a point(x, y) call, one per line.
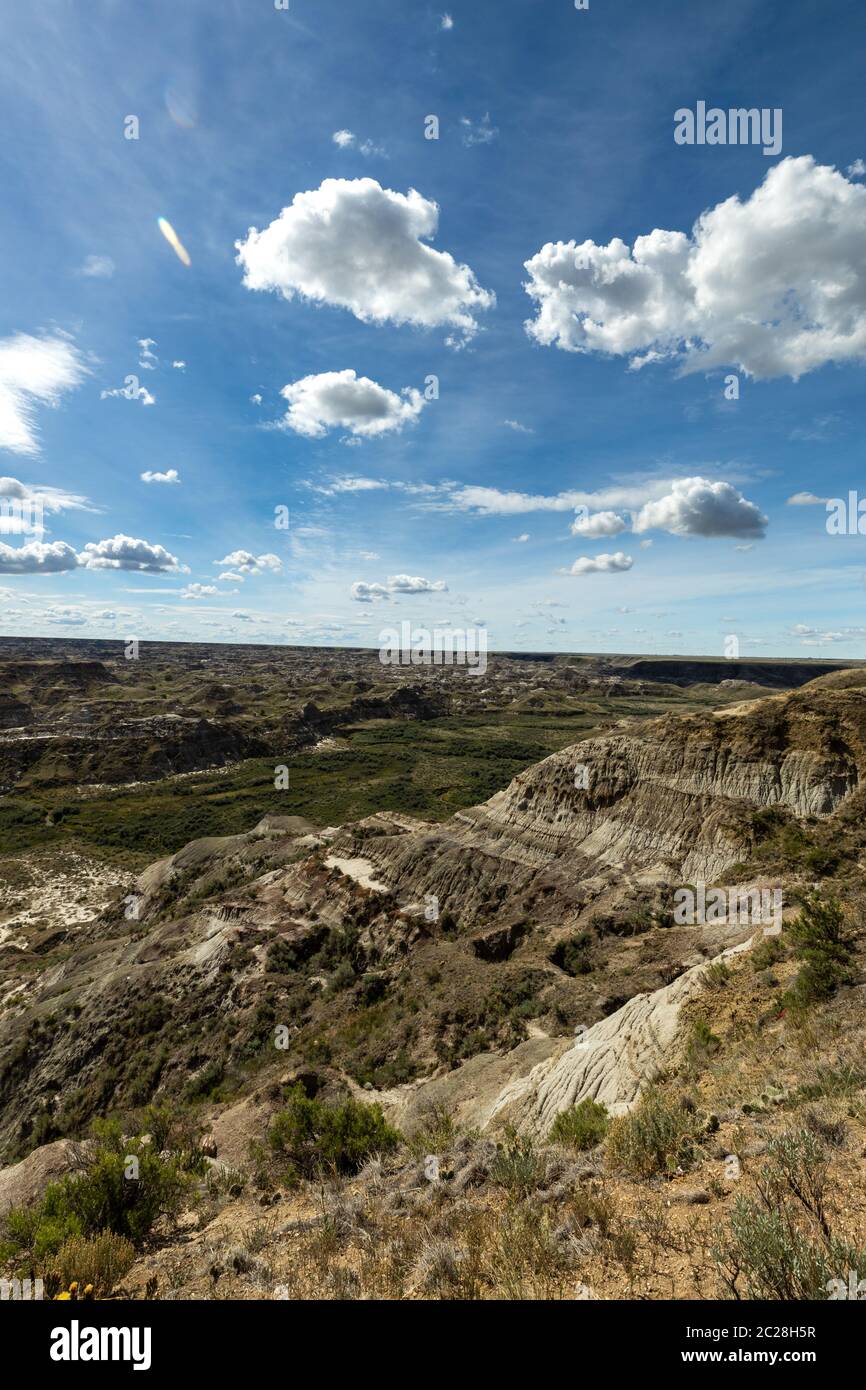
point(343, 977)
point(436, 1270)
point(767, 953)
point(517, 1167)
point(173, 1129)
point(574, 955)
point(779, 1243)
point(702, 1044)
point(207, 1084)
point(314, 1136)
point(824, 947)
point(582, 1127)
point(797, 1168)
point(101, 1261)
point(525, 1259)
point(840, 1081)
point(659, 1135)
point(820, 861)
point(776, 1259)
point(436, 1132)
point(106, 1197)
point(717, 975)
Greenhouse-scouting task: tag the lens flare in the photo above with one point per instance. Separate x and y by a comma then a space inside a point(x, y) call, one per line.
point(173, 240)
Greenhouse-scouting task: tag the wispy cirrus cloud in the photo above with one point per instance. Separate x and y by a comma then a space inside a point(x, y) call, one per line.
point(34, 372)
point(97, 268)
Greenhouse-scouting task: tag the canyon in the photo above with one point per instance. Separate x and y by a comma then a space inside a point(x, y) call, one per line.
point(552, 970)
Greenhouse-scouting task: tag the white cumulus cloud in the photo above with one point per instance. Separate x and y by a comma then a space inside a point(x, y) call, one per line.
point(684, 506)
point(347, 140)
point(246, 563)
point(37, 557)
point(407, 584)
point(147, 358)
point(697, 507)
point(65, 617)
point(600, 564)
point(353, 244)
point(774, 285)
point(366, 593)
point(595, 524)
point(127, 553)
point(396, 584)
point(343, 400)
point(199, 591)
point(132, 390)
point(170, 476)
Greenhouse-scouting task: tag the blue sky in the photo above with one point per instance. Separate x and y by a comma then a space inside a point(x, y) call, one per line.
point(289, 369)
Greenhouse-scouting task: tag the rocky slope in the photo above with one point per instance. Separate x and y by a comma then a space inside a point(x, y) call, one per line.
point(666, 798)
point(400, 956)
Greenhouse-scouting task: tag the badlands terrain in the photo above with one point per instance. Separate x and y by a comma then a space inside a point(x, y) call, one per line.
point(322, 979)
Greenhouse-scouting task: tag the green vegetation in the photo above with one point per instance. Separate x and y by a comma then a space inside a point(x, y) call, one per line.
point(701, 1045)
point(824, 946)
point(574, 955)
point(779, 839)
point(518, 1167)
point(126, 1188)
point(426, 767)
point(313, 1137)
point(841, 1081)
point(769, 952)
point(436, 1133)
point(101, 1261)
point(780, 1243)
point(717, 975)
point(661, 1134)
point(584, 1126)
point(497, 1020)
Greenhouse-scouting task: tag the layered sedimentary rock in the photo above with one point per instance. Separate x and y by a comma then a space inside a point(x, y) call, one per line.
point(493, 891)
point(611, 1062)
point(672, 794)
